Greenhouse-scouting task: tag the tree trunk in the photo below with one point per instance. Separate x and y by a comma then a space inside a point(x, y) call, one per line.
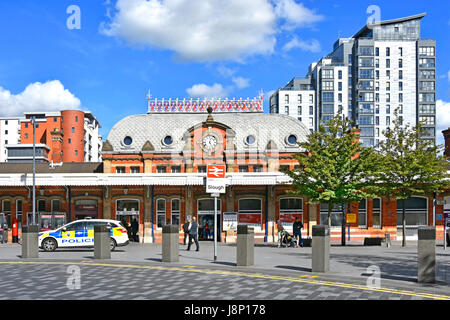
point(329, 215)
point(404, 223)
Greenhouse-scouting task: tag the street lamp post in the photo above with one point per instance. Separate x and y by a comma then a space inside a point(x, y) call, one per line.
point(33, 122)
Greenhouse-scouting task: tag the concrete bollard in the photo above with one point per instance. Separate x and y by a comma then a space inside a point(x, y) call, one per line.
point(30, 245)
point(170, 243)
point(245, 252)
point(320, 248)
point(426, 255)
point(102, 249)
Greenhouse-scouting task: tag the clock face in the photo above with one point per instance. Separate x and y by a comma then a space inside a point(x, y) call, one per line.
point(209, 142)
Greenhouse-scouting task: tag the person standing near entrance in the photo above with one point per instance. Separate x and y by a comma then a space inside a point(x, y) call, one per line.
point(193, 234)
point(134, 230)
point(297, 229)
point(186, 230)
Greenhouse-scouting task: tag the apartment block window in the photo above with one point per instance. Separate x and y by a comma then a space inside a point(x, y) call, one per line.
point(388, 108)
point(377, 52)
point(388, 86)
point(388, 52)
point(26, 135)
point(400, 63)
point(311, 98)
point(400, 109)
point(327, 85)
point(286, 110)
point(427, 120)
point(400, 74)
point(377, 74)
point(388, 97)
point(73, 129)
point(327, 96)
point(377, 132)
point(328, 108)
point(69, 141)
point(426, 85)
point(366, 120)
point(340, 86)
point(377, 120)
point(6, 141)
point(427, 74)
point(340, 74)
point(400, 120)
point(26, 124)
point(366, 73)
point(299, 98)
point(427, 63)
point(366, 85)
point(377, 97)
point(311, 110)
point(377, 109)
point(388, 120)
point(400, 97)
point(327, 74)
point(6, 131)
point(299, 119)
point(400, 86)
point(426, 51)
point(76, 118)
point(286, 98)
point(340, 97)
point(243, 168)
point(135, 169)
point(365, 62)
point(311, 122)
point(176, 169)
point(161, 169)
point(388, 74)
point(426, 97)
point(377, 63)
point(400, 51)
point(120, 169)
point(427, 108)
point(300, 110)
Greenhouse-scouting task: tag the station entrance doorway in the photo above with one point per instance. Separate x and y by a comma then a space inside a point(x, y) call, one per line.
point(205, 212)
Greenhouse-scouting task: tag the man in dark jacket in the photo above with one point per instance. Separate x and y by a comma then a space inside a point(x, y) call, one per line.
point(193, 234)
point(297, 229)
point(134, 230)
point(186, 230)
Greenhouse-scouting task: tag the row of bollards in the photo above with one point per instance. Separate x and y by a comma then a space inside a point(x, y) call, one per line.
point(426, 248)
point(30, 243)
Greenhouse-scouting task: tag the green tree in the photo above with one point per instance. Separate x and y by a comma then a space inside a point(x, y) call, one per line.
point(333, 167)
point(408, 165)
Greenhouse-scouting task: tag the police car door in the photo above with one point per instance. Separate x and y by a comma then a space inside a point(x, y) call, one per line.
point(74, 235)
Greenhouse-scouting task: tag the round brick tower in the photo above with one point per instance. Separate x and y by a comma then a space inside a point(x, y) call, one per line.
point(72, 124)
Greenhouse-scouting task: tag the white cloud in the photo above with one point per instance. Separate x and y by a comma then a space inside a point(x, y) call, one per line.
point(312, 45)
point(295, 14)
point(442, 119)
point(197, 30)
point(48, 96)
point(202, 90)
point(225, 71)
point(241, 82)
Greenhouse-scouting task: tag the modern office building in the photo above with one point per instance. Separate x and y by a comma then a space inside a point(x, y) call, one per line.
point(63, 136)
point(384, 67)
point(9, 134)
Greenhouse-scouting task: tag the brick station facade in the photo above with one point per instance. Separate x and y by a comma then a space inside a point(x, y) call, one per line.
point(153, 170)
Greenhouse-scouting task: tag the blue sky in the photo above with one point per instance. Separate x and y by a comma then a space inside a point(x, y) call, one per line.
point(123, 49)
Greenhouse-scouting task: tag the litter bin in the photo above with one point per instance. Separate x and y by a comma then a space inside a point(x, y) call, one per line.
point(3, 234)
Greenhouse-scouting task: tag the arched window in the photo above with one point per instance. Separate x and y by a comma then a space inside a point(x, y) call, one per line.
point(250, 212)
point(175, 212)
point(160, 212)
point(376, 213)
point(290, 208)
point(6, 209)
point(362, 214)
point(56, 205)
point(336, 215)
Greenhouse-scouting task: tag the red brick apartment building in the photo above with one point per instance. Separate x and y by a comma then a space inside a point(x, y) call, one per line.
point(154, 169)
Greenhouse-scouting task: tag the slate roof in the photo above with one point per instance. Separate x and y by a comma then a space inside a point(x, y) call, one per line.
point(155, 127)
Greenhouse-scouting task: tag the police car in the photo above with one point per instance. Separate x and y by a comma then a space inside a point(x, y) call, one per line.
point(80, 233)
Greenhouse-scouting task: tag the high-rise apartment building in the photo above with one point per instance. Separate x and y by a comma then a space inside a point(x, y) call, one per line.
point(384, 67)
point(9, 134)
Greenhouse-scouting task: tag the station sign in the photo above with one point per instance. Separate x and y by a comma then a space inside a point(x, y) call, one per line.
point(215, 179)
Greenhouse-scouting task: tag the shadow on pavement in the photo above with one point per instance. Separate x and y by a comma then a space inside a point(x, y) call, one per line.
point(295, 268)
point(225, 263)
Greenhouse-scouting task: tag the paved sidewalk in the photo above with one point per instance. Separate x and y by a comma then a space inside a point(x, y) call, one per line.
point(395, 263)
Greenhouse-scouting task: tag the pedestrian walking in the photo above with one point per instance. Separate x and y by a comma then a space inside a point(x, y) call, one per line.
point(186, 230)
point(134, 230)
point(193, 234)
point(297, 229)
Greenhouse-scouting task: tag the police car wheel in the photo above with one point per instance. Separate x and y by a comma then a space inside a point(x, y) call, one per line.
point(49, 244)
point(112, 244)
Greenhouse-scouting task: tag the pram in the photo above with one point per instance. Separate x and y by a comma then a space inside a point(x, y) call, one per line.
point(286, 240)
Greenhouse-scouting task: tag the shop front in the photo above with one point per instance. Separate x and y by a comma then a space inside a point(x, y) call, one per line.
point(205, 212)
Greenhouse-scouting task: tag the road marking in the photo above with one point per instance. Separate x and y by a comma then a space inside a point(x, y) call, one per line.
point(249, 275)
